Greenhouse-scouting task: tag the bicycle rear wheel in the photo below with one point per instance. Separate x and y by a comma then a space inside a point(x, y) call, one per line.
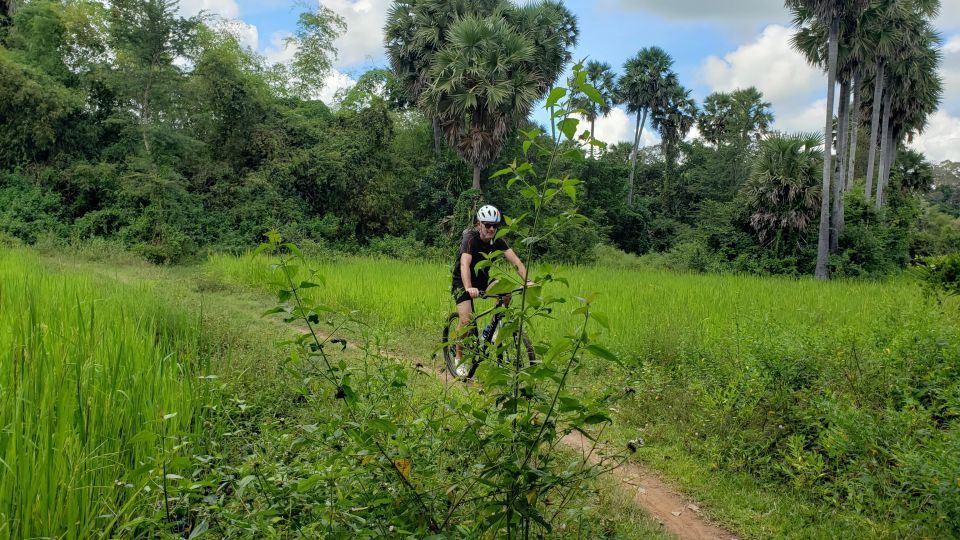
point(449, 340)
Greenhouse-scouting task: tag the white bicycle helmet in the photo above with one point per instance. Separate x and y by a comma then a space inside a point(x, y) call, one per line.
point(488, 214)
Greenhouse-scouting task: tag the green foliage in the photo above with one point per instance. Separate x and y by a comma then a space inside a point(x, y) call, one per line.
point(28, 210)
point(36, 110)
point(98, 114)
point(940, 275)
point(315, 53)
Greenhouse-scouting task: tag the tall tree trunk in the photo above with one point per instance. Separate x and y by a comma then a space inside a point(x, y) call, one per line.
point(890, 155)
point(593, 134)
point(874, 127)
point(884, 150)
point(854, 130)
point(823, 239)
point(836, 219)
point(641, 119)
point(437, 137)
point(476, 177)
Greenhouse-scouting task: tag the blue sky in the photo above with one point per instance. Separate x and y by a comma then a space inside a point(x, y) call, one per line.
point(716, 45)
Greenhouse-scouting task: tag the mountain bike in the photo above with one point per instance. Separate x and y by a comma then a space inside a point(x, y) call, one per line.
point(476, 346)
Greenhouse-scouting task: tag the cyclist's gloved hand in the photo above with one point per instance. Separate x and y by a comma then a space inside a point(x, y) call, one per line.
point(473, 292)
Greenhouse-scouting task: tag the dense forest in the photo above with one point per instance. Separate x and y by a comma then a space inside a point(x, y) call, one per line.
point(131, 123)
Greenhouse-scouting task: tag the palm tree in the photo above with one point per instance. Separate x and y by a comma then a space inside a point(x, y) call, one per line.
point(717, 117)
point(641, 89)
point(829, 13)
point(741, 115)
point(782, 189)
point(483, 82)
point(415, 30)
point(673, 120)
point(753, 115)
point(914, 91)
point(890, 32)
point(553, 29)
point(600, 77)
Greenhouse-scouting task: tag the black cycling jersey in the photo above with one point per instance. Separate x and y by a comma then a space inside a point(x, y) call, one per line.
point(478, 249)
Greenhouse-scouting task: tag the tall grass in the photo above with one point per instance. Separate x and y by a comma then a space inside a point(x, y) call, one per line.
point(95, 378)
point(846, 393)
point(653, 314)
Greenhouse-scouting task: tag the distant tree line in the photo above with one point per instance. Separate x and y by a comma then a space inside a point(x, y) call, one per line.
point(129, 122)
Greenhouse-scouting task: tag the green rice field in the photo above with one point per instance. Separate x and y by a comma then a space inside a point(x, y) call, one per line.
point(786, 408)
point(97, 378)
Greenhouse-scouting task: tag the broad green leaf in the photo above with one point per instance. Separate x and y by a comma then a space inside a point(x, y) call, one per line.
point(144, 436)
point(305, 484)
point(293, 249)
point(568, 126)
point(601, 319)
point(597, 350)
point(597, 418)
point(502, 172)
point(592, 93)
point(382, 425)
point(555, 95)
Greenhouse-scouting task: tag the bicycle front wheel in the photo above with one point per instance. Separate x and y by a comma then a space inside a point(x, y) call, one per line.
point(468, 335)
point(508, 351)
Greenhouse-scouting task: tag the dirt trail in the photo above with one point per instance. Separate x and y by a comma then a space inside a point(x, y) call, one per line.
point(648, 491)
point(680, 516)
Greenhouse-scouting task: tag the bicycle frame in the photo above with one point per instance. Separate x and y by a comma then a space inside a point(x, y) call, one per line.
point(480, 345)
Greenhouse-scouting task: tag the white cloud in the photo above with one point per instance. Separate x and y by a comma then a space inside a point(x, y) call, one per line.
point(941, 139)
point(246, 33)
point(809, 118)
point(363, 39)
point(769, 63)
point(949, 18)
point(227, 9)
point(279, 52)
point(618, 126)
point(952, 45)
point(334, 82)
point(951, 73)
point(793, 87)
point(728, 10)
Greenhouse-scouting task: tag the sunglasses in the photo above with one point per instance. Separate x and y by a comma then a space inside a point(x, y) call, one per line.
point(490, 225)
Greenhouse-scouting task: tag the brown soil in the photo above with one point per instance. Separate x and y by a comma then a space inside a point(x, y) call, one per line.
point(681, 517)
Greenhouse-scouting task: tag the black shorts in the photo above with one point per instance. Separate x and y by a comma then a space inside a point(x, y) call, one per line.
point(460, 294)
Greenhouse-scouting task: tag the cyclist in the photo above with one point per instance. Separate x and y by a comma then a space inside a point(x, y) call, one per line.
point(478, 241)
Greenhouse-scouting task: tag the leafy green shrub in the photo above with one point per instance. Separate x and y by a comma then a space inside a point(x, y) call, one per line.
point(100, 223)
point(28, 210)
point(940, 275)
point(403, 247)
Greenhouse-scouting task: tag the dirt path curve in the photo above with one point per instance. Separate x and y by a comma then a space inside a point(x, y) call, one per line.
point(648, 491)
